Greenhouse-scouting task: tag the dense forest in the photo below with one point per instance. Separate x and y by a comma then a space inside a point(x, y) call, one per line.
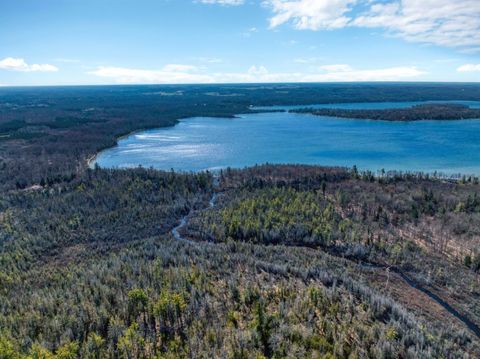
point(283, 261)
point(414, 113)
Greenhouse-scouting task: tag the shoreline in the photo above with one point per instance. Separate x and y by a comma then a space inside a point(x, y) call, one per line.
point(91, 159)
point(447, 175)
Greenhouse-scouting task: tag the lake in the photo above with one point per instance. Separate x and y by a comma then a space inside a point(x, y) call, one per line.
point(196, 144)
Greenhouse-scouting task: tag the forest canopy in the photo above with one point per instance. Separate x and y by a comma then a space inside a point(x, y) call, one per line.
point(415, 113)
point(284, 261)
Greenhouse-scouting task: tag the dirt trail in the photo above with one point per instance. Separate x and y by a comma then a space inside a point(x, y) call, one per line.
point(413, 284)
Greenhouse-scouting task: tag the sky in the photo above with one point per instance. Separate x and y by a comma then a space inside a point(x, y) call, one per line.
point(81, 42)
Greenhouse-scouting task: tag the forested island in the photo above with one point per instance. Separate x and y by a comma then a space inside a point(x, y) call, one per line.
point(272, 261)
point(415, 113)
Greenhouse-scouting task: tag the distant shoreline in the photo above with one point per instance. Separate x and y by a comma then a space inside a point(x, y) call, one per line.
point(424, 112)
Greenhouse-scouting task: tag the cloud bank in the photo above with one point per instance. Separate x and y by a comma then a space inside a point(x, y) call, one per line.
point(173, 73)
point(17, 64)
point(469, 68)
point(186, 74)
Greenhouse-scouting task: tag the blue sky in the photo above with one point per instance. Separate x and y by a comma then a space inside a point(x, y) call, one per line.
point(56, 42)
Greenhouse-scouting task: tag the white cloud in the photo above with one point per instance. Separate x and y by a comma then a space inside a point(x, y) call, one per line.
point(345, 73)
point(223, 2)
point(256, 74)
point(310, 14)
point(173, 74)
point(17, 64)
point(469, 68)
point(451, 23)
point(328, 73)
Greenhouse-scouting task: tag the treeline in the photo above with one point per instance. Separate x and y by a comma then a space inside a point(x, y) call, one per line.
point(48, 134)
point(414, 113)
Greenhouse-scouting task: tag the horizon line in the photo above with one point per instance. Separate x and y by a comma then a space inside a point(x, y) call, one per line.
point(248, 83)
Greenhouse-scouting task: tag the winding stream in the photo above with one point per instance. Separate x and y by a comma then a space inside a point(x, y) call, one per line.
point(183, 222)
point(474, 328)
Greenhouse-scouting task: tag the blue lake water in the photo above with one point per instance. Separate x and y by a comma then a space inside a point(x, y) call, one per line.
point(195, 144)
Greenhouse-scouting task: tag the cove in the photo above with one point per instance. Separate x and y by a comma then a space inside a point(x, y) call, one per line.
point(196, 144)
